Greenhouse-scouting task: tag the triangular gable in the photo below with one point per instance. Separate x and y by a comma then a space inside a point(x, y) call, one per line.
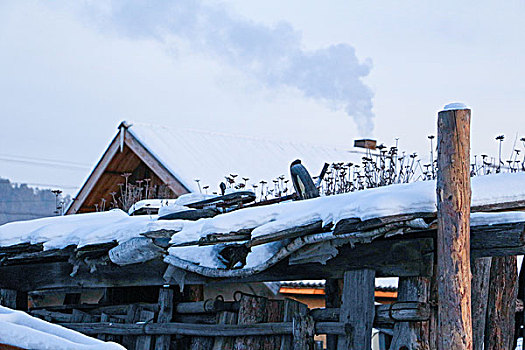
point(125, 154)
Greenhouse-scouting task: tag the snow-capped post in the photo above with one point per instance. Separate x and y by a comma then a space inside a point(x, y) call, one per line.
point(453, 233)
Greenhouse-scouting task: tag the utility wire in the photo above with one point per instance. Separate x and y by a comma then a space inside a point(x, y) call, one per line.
point(45, 163)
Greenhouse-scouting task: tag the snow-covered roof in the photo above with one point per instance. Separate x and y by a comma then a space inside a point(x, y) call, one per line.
point(210, 156)
point(24, 331)
point(134, 247)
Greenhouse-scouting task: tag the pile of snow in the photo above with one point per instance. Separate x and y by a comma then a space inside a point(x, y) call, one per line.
point(180, 204)
point(82, 229)
point(22, 330)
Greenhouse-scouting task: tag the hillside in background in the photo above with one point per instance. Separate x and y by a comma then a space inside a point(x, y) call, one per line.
point(21, 202)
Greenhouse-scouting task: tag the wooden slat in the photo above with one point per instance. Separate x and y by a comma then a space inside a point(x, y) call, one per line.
point(357, 309)
point(165, 315)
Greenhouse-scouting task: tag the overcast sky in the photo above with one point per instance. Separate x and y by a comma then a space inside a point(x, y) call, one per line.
point(324, 72)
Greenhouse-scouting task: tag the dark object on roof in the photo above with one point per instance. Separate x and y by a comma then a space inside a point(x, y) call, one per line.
point(302, 181)
point(366, 143)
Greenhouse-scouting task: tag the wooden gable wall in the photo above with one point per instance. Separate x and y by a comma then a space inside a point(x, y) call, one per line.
point(125, 154)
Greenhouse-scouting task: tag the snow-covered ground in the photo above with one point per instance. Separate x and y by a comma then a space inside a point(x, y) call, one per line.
point(22, 330)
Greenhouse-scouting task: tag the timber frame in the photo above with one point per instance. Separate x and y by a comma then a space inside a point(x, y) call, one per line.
point(124, 154)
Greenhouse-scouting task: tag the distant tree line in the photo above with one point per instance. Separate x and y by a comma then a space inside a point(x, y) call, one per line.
point(21, 202)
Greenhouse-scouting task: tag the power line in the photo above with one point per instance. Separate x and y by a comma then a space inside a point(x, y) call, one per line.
point(44, 164)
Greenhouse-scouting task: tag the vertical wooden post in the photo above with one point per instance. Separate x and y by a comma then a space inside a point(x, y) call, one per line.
point(165, 315)
point(412, 335)
point(250, 312)
point(480, 293)
point(292, 308)
point(332, 300)
point(453, 234)
point(499, 328)
point(357, 309)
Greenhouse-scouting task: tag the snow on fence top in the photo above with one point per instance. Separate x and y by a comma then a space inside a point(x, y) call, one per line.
point(19, 329)
point(259, 223)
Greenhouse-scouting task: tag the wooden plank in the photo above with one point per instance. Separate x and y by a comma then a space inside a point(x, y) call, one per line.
point(275, 312)
point(332, 300)
point(480, 292)
point(103, 318)
point(225, 343)
point(132, 317)
point(303, 332)
point(453, 234)
point(412, 335)
point(291, 308)
point(357, 309)
point(250, 312)
point(165, 315)
point(144, 342)
point(499, 328)
point(215, 330)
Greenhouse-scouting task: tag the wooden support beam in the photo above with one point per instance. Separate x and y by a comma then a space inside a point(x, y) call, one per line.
point(165, 315)
point(453, 234)
point(250, 312)
point(480, 292)
point(292, 308)
point(499, 328)
point(412, 335)
point(357, 309)
point(225, 343)
point(332, 300)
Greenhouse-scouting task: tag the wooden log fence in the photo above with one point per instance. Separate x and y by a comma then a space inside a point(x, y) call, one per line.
point(285, 324)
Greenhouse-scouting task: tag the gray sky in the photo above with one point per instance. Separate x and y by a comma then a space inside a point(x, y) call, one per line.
point(323, 72)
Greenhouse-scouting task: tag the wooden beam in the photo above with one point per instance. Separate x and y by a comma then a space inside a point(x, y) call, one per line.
point(210, 330)
point(480, 292)
point(332, 300)
point(165, 316)
point(357, 309)
point(499, 328)
point(453, 235)
point(412, 335)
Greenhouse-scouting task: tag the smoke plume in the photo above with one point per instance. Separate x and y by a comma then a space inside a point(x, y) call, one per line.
point(273, 55)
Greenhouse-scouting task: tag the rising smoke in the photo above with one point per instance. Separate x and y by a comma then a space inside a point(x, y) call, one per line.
point(273, 55)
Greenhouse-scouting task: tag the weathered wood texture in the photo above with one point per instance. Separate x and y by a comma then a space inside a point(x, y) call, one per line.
point(225, 343)
point(357, 309)
point(292, 308)
point(499, 328)
point(480, 291)
point(453, 234)
point(274, 311)
point(215, 330)
point(332, 300)
point(144, 342)
point(412, 335)
point(303, 332)
point(250, 312)
point(165, 315)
